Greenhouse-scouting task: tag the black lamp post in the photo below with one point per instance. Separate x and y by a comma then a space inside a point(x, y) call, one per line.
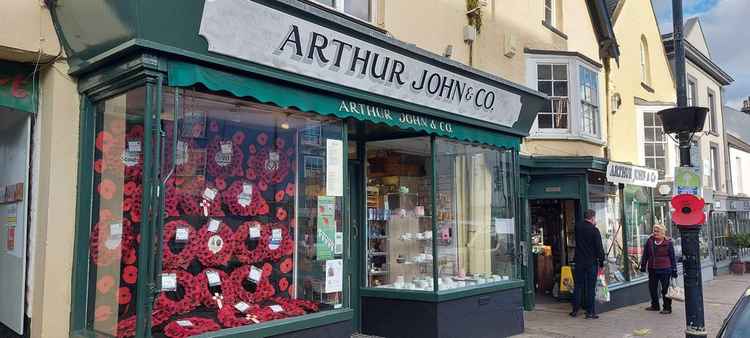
point(685, 122)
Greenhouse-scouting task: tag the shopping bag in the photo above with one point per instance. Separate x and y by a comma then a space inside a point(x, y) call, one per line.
point(602, 290)
point(566, 279)
point(675, 292)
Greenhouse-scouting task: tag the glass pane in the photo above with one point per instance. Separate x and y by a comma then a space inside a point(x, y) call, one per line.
point(545, 87)
point(649, 149)
point(561, 121)
point(251, 233)
point(544, 72)
point(399, 214)
point(659, 149)
point(639, 220)
point(605, 201)
point(475, 216)
point(560, 72)
point(560, 88)
point(326, 2)
point(648, 134)
point(358, 8)
point(545, 120)
point(648, 119)
point(118, 190)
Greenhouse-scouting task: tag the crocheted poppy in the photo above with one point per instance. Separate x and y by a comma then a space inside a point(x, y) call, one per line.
point(124, 296)
point(99, 166)
point(267, 269)
point(243, 241)
point(102, 313)
point(181, 259)
point(262, 139)
point(220, 163)
point(290, 189)
point(104, 284)
point(221, 242)
point(104, 248)
point(130, 257)
point(220, 183)
point(135, 212)
point(281, 214)
point(247, 290)
point(130, 274)
point(107, 189)
point(283, 284)
point(126, 327)
point(279, 196)
point(229, 316)
point(238, 138)
point(186, 298)
point(104, 141)
point(257, 205)
point(286, 265)
point(213, 126)
point(130, 188)
point(198, 325)
point(171, 201)
point(280, 143)
point(207, 294)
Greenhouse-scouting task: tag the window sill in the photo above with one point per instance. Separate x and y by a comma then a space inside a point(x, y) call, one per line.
point(566, 137)
point(554, 30)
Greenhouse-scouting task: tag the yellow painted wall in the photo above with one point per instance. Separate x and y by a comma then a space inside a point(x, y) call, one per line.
point(435, 24)
point(25, 30)
point(634, 20)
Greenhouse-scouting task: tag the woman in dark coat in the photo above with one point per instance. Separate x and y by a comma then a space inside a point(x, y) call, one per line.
point(659, 259)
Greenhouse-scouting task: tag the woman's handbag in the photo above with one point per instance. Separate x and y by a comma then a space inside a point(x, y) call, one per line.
point(675, 292)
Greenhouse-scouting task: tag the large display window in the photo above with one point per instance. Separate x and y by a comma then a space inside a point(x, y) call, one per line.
point(251, 226)
point(605, 200)
point(638, 208)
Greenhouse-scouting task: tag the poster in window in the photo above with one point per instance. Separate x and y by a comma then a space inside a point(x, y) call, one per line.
point(334, 167)
point(334, 275)
point(311, 136)
point(313, 166)
point(326, 238)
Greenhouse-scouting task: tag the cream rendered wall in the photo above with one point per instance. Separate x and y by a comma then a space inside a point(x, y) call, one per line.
point(634, 20)
point(441, 23)
point(25, 26)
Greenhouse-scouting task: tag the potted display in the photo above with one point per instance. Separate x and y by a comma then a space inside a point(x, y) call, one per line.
point(736, 242)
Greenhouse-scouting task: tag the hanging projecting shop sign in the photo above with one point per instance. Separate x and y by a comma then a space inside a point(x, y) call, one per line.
point(633, 175)
point(250, 31)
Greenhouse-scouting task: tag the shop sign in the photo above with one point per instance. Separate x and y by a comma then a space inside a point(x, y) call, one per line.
point(395, 118)
point(633, 175)
point(16, 88)
point(280, 40)
point(687, 180)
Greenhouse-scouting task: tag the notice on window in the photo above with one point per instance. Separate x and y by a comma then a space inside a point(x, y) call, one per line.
point(504, 226)
point(12, 232)
point(326, 240)
point(334, 167)
point(334, 275)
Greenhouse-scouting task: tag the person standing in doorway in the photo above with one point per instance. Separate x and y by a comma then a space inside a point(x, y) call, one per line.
point(659, 259)
point(589, 257)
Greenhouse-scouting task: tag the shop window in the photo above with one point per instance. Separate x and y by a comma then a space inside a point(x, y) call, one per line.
point(639, 220)
point(361, 9)
point(605, 200)
point(252, 228)
point(399, 214)
point(549, 12)
point(589, 101)
point(475, 215)
point(654, 143)
point(552, 79)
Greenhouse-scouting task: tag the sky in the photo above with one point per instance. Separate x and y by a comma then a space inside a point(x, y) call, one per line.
point(725, 25)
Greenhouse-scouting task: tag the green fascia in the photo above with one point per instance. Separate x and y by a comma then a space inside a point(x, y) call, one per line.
point(564, 162)
point(282, 326)
point(440, 296)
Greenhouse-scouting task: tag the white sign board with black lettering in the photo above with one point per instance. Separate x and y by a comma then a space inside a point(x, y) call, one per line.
point(633, 175)
point(254, 32)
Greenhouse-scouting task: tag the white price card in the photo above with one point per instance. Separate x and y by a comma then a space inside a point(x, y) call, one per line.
point(182, 234)
point(246, 195)
point(275, 242)
point(134, 146)
point(255, 274)
point(209, 194)
point(213, 278)
point(185, 323)
point(115, 230)
point(168, 282)
point(273, 156)
point(241, 307)
point(213, 225)
point(276, 308)
point(254, 232)
point(226, 147)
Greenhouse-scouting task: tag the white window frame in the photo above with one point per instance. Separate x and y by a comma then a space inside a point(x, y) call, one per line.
point(575, 119)
point(338, 5)
point(597, 118)
point(552, 14)
point(672, 152)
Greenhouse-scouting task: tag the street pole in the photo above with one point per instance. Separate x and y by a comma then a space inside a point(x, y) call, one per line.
point(690, 235)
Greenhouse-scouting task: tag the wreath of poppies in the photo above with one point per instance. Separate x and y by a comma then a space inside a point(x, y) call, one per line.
point(191, 296)
point(210, 298)
point(241, 237)
point(262, 167)
point(191, 204)
point(220, 258)
point(135, 134)
point(284, 248)
point(257, 206)
point(101, 255)
point(182, 259)
point(229, 316)
point(233, 168)
point(199, 325)
point(262, 290)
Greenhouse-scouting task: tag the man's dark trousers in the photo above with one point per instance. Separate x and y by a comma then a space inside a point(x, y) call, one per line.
point(584, 292)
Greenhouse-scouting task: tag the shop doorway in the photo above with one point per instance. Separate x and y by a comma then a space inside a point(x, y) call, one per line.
point(553, 239)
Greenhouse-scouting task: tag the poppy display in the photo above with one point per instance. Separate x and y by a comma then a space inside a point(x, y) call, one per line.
point(190, 326)
point(187, 250)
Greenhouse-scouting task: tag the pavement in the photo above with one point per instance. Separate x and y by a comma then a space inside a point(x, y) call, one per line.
point(552, 320)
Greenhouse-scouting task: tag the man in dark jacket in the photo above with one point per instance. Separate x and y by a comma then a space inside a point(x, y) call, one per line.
point(589, 256)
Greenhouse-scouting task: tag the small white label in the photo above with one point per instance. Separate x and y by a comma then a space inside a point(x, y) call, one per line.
point(213, 278)
point(215, 243)
point(209, 194)
point(241, 307)
point(276, 308)
point(246, 195)
point(182, 234)
point(130, 158)
point(185, 323)
point(273, 156)
point(255, 232)
point(213, 225)
point(181, 157)
point(226, 147)
point(115, 230)
point(339, 243)
point(255, 274)
point(275, 239)
point(168, 282)
point(134, 146)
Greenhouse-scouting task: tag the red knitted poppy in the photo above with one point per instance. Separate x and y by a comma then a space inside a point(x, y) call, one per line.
point(182, 259)
point(220, 258)
point(200, 325)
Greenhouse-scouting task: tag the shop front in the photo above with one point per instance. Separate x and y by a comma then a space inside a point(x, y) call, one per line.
point(301, 176)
